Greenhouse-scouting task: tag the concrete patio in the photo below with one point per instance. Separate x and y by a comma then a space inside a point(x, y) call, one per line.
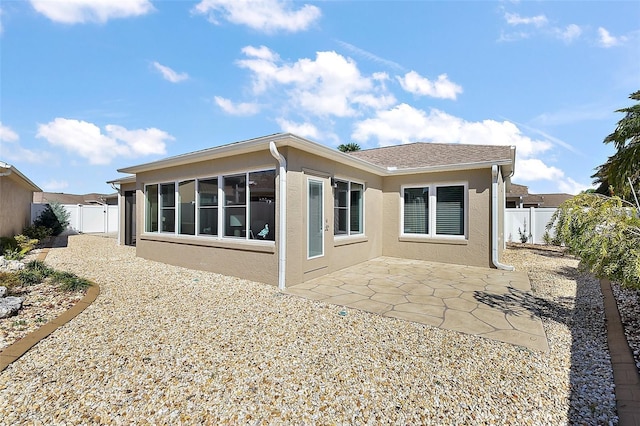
point(485, 302)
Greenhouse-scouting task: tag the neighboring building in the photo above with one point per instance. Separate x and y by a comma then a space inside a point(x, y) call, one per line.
point(281, 209)
point(16, 193)
point(86, 199)
point(518, 197)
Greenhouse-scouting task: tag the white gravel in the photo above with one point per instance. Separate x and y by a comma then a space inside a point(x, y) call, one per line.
point(167, 345)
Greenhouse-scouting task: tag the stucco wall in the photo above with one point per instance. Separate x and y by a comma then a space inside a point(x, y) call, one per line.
point(339, 251)
point(245, 259)
point(474, 251)
point(15, 205)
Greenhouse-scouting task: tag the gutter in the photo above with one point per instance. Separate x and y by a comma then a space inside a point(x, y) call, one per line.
point(282, 223)
point(494, 222)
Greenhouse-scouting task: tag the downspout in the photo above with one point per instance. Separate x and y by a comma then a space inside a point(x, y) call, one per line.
point(282, 224)
point(494, 222)
point(120, 224)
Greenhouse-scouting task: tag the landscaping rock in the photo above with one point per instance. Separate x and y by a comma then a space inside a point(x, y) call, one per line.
point(3, 291)
point(10, 265)
point(10, 306)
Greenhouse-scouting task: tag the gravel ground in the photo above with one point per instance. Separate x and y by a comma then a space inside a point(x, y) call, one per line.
point(42, 303)
point(167, 345)
point(628, 302)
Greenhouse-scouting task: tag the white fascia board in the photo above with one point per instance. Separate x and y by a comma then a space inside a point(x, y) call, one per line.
point(446, 168)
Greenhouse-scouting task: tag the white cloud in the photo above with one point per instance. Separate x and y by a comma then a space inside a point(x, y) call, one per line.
point(570, 186)
point(169, 74)
point(241, 108)
point(371, 56)
point(442, 88)
point(330, 85)
point(306, 130)
point(7, 134)
point(263, 15)
point(82, 11)
point(16, 152)
point(515, 19)
point(607, 40)
point(530, 169)
point(55, 185)
point(568, 34)
point(88, 141)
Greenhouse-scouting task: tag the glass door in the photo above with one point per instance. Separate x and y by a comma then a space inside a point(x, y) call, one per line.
point(315, 218)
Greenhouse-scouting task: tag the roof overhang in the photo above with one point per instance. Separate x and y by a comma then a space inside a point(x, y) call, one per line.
point(294, 141)
point(9, 169)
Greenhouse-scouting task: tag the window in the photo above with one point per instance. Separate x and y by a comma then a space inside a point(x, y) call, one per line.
point(187, 200)
point(168, 207)
point(151, 220)
point(347, 208)
point(446, 219)
point(239, 206)
point(262, 207)
point(235, 206)
point(208, 206)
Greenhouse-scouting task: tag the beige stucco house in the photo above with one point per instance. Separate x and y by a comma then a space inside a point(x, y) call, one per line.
point(282, 209)
point(16, 193)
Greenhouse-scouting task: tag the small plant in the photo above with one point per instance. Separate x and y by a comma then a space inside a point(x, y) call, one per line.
point(40, 267)
point(30, 277)
point(9, 279)
point(68, 281)
point(7, 243)
point(15, 254)
point(523, 233)
point(37, 232)
point(19, 323)
point(25, 243)
point(547, 238)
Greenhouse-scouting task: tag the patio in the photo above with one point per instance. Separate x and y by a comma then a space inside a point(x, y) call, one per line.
point(485, 302)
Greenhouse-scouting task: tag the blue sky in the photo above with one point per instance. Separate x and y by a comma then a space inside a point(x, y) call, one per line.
point(90, 86)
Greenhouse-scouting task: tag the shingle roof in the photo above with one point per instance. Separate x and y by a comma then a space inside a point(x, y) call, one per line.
point(554, 200)
point(426, 154)
point(517, 190)
point(62, 198)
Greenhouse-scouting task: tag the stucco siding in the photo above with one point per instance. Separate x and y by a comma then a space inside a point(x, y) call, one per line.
point(339, 251)
point(474, 250)
point(15, 206)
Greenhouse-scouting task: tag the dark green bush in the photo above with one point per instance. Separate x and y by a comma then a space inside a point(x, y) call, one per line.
point(37, 232)
point(40, 267)
point(30, 277)
point(54, 217)
point(8, 243)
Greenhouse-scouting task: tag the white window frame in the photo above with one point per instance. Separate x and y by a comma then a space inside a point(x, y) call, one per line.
point(221, 212)
point(433, 187)
point(349, 233)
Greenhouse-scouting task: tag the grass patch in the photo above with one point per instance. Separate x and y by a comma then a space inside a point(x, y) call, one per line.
point(68, 281)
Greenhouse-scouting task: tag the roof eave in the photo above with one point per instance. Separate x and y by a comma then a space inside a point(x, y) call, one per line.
point(447, 167)
point(28, 181)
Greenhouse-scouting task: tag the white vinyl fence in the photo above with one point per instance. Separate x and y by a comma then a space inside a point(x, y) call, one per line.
point(534, 220)
point(86, 218)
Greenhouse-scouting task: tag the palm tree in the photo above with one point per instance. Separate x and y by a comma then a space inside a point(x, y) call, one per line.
point(349, 147)
point(613, 176)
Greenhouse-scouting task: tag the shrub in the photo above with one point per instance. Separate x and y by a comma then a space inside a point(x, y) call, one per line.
point(30, 277)
point(605, 233)
point(40, 267)
point(54, 217)
point(37, 232)
point(15, 254)
point(68, 281)
point(9, 279)
point(7, 243)
point(25, 243)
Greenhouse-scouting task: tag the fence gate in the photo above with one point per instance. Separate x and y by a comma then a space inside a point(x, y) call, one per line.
point(86, 218)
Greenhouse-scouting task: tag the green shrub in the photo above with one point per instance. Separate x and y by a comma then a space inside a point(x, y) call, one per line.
point(9, 279)
point(40, 267)
point(54, 217)
point(604, 232)
point(15, 254)
point(68, 281)
point(30, 277)
point(7, 243)
point(37, 232)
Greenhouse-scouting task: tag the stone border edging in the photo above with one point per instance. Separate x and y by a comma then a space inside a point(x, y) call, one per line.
point(625, 372)
point(19, 348)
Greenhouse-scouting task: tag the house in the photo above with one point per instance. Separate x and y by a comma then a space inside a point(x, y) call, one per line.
point(518, 196)
point(16, 192)
point(282, 209)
